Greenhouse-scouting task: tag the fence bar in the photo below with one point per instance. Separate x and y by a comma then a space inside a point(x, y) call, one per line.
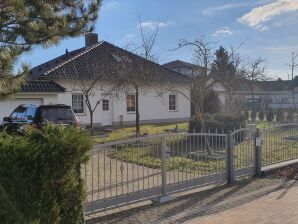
point(230, 158)
point(258, 152)
point(164, 194)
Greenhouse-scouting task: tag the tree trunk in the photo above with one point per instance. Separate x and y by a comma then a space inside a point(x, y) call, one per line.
point(137, 113)
point(91, 122)
point(252, 97)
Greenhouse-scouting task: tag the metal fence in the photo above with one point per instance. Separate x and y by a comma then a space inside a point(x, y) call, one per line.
point(154, 167)
point(280, 143)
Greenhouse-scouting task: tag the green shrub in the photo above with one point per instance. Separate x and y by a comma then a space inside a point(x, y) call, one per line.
point(253, 115)
point(290, 116)
point(280, 116)
point(40, 176)
point(219, 122)
point(270, 115)
point(246, 115)
point(212, 103)
point(261, 115)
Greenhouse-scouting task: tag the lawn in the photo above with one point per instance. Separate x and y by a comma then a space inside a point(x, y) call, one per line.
point(129, 132)
point(276, 148)
point(147, 153)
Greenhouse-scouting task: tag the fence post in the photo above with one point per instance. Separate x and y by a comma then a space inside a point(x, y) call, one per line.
point(258, 153)
point(230, 158)
point(164, 191)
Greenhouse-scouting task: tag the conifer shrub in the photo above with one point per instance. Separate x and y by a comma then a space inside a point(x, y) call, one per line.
point(40, 175)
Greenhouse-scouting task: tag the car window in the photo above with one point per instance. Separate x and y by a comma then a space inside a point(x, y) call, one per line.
point(23, 113)
point(30, 113)
point(56, 114)
point(18, 113)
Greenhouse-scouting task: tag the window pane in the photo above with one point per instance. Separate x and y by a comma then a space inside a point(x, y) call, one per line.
point(105, 105)
point(131, 103)
point(172, 102)
point(78, 103)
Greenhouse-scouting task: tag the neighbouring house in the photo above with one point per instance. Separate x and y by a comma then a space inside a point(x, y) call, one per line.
point(185, 68)
point(193, 71)
point(267, 94)
point(55, 82)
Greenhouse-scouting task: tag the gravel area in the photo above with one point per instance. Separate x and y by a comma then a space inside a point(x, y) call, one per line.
point(198, 204)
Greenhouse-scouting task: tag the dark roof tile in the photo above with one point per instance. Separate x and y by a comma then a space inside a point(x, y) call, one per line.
point(41, 86)
point(105, 61)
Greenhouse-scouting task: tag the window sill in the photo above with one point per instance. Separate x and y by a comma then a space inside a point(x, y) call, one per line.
point(132, 112)
point(173, 110)
point(80, 114)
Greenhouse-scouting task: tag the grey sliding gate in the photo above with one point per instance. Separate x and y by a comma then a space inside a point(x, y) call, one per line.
point(154, 167)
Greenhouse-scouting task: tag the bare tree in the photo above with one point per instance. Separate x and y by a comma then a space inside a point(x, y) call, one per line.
point(203, 56)
point(252, 72)
point(91, 86)
point(292, 66)
point(136, 81)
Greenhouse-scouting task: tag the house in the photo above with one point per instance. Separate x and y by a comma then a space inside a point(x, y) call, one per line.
point(185, 68)
point(267, 94)
point(56, 82)
point(193, 71)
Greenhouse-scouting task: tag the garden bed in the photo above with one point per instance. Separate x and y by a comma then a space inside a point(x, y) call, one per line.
point(288, 173)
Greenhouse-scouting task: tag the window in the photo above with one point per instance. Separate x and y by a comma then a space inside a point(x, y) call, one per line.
point(131, 103)
point(19, 113)
point(78, 103)
point(172, 102)
point(105, 105)
point(56, 114)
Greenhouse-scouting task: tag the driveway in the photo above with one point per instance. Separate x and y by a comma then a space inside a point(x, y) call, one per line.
point(251, 201)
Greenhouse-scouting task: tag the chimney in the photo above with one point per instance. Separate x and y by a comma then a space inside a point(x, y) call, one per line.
point(90, 39)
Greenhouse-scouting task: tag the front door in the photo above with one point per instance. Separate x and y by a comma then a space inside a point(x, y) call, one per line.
point(107, 112)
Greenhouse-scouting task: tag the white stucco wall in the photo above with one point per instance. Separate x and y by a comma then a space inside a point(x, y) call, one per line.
point(153, 108)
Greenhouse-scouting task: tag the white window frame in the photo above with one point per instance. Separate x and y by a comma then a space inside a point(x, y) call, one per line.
point(176, 103)
point(131, 111)
point(83, 103)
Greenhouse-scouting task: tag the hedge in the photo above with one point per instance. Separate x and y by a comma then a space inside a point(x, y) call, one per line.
point(40, 176)
point(219, 123)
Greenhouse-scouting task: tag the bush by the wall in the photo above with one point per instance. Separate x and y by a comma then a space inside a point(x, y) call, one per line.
point(40, 176)
point(280, 116)
point(219, 122)
point(270, 115)
point(246, 114)
point(211, 103)
point(290, 116)
point(253, 115)
point(261, 115)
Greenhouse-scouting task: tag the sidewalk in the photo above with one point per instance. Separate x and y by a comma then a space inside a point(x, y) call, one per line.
point(252, 201)
point(278, 207)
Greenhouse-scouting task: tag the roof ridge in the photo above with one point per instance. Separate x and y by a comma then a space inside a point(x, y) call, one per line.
point(74, 57)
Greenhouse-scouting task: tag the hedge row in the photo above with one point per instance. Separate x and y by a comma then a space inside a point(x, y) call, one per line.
point(40, 176)
point(219, 123)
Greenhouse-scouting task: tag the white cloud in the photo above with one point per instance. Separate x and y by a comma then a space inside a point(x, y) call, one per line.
point(212, 10)
point(223, 31)
point(260, 15)
point(285, 49)
point(128, 37)
point(223, 7)
point(110, 5)
point(153, 24)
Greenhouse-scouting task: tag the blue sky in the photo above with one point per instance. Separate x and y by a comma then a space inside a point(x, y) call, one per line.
point(268, 27)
